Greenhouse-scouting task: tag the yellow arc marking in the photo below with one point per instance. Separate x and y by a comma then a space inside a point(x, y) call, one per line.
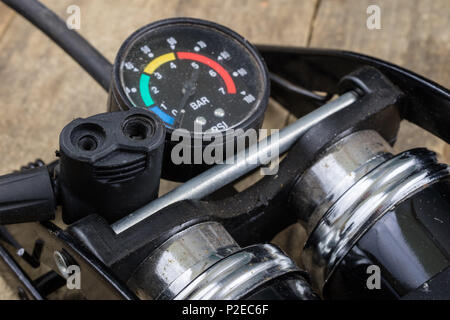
point(152, 66)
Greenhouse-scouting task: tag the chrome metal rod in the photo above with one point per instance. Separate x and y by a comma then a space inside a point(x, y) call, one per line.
point(244, 161)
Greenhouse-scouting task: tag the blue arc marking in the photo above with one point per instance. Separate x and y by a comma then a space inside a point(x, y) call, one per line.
point(164, 116)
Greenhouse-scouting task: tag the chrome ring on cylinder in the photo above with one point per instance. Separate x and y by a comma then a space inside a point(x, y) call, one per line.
point(180, 259)
point(362, 205)
point(239, 274)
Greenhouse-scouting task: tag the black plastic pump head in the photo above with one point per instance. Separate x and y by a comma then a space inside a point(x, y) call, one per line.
point(110, 164)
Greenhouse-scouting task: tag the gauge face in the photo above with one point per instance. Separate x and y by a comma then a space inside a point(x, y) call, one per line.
point(194, 75)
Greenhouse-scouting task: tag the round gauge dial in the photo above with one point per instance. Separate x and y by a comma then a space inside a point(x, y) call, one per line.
point(193, 74)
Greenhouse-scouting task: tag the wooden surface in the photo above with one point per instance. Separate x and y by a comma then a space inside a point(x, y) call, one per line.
point(415, 34)
point(43, 89)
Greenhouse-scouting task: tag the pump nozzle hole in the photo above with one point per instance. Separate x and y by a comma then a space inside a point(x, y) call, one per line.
point(87, 143)
point(138, 128)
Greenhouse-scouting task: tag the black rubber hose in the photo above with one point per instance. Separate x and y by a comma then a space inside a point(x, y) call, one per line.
point(70, 41)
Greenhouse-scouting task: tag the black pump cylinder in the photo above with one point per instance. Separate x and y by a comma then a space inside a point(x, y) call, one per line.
point(377, 223)
point(410, 245)
point(290, 287)
point(110, 164)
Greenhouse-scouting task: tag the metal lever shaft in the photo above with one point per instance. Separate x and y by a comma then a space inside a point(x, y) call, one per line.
point(244, 161)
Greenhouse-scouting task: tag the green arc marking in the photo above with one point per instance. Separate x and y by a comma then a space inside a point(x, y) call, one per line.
point(144, 89)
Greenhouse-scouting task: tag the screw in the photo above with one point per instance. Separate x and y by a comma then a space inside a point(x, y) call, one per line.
point(200, 120)
point(219, 112)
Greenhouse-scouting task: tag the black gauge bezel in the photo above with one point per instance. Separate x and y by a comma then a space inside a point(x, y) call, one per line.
point(253, 121)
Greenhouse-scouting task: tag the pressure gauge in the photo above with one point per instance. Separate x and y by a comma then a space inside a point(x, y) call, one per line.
point(194, 74)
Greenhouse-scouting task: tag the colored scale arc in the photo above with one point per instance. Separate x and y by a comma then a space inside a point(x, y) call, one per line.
point(144, 83)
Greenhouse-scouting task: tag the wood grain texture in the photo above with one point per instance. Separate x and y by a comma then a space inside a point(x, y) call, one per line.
point(6, 16)
point(413, 34)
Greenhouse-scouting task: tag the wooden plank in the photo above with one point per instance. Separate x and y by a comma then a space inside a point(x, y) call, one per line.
point(6, 16)
point(415, 36)
point(281, 22)
point(6, 292)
